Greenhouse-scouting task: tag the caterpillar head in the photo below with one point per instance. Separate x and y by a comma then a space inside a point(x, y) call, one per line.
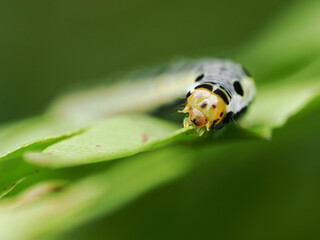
point(205, 108)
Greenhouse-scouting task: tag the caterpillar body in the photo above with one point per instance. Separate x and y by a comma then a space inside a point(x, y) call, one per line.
point(215, 91)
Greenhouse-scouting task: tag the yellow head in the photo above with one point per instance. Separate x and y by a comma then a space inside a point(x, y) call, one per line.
point(205, 108)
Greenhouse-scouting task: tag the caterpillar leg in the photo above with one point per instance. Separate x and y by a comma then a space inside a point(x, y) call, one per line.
point(200, 131)
point(186, 122)
point(208, 125)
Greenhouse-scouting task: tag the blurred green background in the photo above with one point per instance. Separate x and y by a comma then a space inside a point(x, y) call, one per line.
point(48, 46)
point(256, 190)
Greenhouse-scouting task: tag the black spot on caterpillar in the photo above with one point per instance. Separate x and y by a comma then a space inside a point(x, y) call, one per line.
point(206, 86)
point(199, 77)
point(237, 87)
point(222, 95)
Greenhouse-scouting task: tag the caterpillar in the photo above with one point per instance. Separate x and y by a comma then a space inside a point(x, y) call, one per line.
point(214, 91)
point(221, 92)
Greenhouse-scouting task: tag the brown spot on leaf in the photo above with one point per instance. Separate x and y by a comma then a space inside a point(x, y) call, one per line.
point(145, 137)
point(99, 146)
point(56, 188)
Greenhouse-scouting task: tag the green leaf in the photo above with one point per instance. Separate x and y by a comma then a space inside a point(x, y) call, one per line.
point(240, 188)
point(128, 135)
point(277, 102)
point(32, 194)
point(31, 134)
point(91, 196)
point(14, 170)
point(105, 192)
point(113, 138)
